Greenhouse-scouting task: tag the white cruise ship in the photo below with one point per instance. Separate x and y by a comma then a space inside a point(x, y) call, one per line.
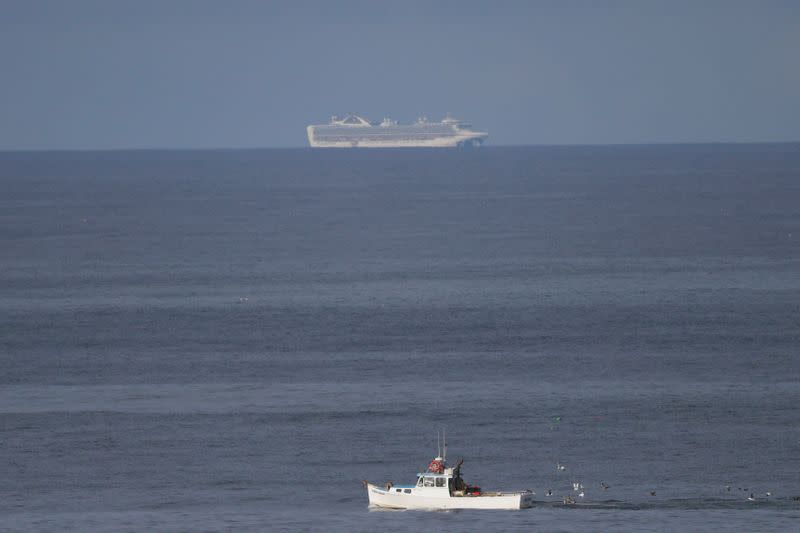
point(354, 131)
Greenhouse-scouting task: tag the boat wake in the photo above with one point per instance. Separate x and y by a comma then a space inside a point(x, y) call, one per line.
point(676, 503)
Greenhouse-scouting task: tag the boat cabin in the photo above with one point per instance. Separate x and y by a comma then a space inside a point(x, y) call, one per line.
point(431, 480)
point(440, 478)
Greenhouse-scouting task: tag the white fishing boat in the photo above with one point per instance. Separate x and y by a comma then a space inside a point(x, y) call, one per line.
point(442, 487)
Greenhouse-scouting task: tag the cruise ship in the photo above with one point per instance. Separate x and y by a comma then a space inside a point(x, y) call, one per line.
point(354, 131)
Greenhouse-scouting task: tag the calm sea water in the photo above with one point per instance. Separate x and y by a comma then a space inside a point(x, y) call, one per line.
point(235, 339)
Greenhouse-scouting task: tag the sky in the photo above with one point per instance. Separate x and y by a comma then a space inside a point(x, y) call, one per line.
point(238, 74)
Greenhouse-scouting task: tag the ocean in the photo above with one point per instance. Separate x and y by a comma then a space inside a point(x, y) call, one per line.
point(235, 339)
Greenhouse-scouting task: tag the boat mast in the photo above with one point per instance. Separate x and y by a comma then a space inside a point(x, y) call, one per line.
point(444, 456)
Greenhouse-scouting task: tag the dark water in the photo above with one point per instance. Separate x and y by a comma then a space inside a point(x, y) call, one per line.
point(234, 339)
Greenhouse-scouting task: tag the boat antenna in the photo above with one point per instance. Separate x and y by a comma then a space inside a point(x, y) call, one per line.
point(438, 445)
point(444, 456)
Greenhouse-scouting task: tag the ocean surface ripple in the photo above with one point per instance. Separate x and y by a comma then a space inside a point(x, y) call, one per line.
point(208, 340)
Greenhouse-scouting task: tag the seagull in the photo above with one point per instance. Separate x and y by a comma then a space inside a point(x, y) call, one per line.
point(652, 493)
point(769, 494)
point(604, 485)
point(751, 498)
point(549, 492)
point(560, 467)
point(728, 488)
point(580, 494)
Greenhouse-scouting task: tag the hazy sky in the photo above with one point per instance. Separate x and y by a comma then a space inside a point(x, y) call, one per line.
point(106, 74)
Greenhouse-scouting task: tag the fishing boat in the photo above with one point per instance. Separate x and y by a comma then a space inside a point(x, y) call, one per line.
point(442, 487)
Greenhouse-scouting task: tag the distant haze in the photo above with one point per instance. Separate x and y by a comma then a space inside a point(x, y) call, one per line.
point(139, 74)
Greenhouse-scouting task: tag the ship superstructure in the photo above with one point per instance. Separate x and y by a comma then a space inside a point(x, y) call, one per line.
point(354, 131)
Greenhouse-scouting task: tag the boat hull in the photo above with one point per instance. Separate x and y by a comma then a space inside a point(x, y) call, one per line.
point(392, 499)
point(377, 137)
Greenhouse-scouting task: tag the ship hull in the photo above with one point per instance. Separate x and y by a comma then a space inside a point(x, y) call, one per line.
point(376, 137)
point(440, 500)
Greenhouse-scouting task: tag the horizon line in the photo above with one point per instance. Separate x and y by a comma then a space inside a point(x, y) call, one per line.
point(485, 147)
